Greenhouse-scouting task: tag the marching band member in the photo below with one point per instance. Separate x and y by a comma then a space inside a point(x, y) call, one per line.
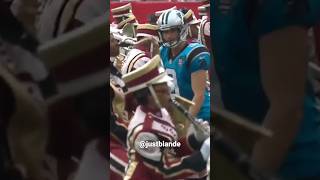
point(123, 15)
point(202, 12)
point(120, 13)
point(158, 13)
point(204, 35)
point(143, 51)
point(146, 47)
point(193, 26)
point(152, 122)
point(118, 121)
point(188, 64)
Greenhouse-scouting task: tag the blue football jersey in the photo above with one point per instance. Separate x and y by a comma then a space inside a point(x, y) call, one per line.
point(192, 58)
point(237, 29)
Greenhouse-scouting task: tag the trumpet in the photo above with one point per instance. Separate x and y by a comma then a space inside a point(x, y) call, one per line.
point(124, 40)
point(188, 115)
point(125, 36)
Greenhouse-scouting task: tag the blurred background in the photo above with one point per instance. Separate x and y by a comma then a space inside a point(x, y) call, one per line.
point(53, 95)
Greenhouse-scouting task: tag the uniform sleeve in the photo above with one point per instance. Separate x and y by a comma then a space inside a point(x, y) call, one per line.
point(167, 164)
point(189, 144)
point(200, 59)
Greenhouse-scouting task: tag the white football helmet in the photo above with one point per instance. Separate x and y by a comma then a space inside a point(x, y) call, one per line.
point(172, 19)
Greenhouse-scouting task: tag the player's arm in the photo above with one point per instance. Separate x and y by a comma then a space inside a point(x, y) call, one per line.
point(283, 59)
point(199, 66)
point(198, 84)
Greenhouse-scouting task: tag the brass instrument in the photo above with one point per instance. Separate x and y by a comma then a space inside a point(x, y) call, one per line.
point(181, 117)
point(118, 102)
point(179, 103)
point(129, 30)
point(126, 43)
point(125, 36)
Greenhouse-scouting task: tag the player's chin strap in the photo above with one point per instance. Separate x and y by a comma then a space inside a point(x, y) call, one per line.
point(175, 43)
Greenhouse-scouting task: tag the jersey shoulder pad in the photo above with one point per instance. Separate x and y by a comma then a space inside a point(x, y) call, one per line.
point(195, 49)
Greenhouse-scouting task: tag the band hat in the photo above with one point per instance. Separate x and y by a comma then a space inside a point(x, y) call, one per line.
point(202, 11)
point(158, 13)
point(205, 3)
point(147, 30)
point(130, 19)
point(190, 18)
point(121, 11)
point(150, 73)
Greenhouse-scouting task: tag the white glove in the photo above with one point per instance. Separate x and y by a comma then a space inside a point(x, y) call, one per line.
point(199, 134)
point(205, 149)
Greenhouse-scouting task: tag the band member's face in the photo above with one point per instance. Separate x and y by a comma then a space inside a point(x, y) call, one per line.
point(114, 47)
point(163, 92)
point(170, 35)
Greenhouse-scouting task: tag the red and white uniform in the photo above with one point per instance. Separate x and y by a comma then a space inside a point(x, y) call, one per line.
point(141, 54)
point(118, 151)
point(123, 15)
point(134, 59)
point(190, 19)
point(118, 133)
point(158, 163)
point(204, 35)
